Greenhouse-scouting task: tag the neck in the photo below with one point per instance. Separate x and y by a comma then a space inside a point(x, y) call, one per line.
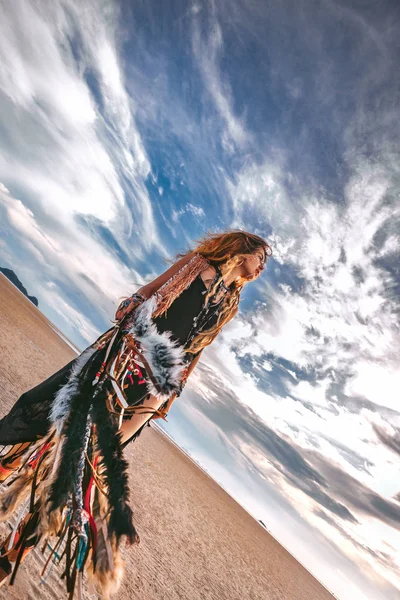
point(229, 278)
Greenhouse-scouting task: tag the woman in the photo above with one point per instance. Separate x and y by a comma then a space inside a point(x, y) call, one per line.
point(67, 434)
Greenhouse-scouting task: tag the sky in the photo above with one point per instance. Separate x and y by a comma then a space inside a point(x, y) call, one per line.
point(128, 130)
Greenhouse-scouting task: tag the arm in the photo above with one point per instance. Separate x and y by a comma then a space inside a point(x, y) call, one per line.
point(151, 288)
point(146, 291)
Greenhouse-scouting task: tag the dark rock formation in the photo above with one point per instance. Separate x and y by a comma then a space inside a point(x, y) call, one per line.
point(14, 279)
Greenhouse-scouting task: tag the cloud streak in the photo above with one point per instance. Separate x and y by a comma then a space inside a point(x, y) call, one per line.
point(128, 130)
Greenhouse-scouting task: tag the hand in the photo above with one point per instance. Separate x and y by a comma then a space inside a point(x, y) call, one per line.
point(127, 306)
point(163, 411)
point(159, 415)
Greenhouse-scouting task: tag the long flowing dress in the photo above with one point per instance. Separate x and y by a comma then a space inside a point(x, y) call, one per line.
point(29, 417)
point(73, 481)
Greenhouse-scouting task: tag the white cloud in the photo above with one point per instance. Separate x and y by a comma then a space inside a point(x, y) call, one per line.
point(342, 322)
point(188, 208)
point(377, 382)
point(67, 256)
point(353, 315)
point(207, 53)
point(68, 155)
point(260, 187)
point(68, 158)
point(71, 318)
point(62, 155)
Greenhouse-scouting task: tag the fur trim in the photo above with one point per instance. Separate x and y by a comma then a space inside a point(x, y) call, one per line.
point(62, 400)
point(114, 469)
point(74, 443)
point(18, 489)
point(164, 355)
point(106, 570)
point(50, 521)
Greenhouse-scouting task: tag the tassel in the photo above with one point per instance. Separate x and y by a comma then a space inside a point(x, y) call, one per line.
point(106, 570)
point(54, 551)
point(80, 516)
point(50, 522)
point(104, 363)
point(64, 482)
point(18, 489)
point(16, 493)
point(99, 373)
point(18, 524)
point(27, 539)
point(92, 523)
point(68, 559)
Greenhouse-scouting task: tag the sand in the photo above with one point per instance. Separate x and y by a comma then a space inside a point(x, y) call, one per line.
point(197, 543)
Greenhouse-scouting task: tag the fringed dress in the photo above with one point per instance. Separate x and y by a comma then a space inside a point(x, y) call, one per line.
point(72, 487)
point(28, 420)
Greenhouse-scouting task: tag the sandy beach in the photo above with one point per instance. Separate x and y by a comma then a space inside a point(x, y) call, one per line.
point(197, 543)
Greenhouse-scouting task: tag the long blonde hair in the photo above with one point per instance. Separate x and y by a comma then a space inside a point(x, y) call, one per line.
point(227, 251)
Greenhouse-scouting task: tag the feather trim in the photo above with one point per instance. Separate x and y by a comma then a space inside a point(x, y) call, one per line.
point(74, 436)
point(50, 521)
point(16, 493)
point(113, 470)
point(106, 570)
point(163, 354)
point(18, 489)
point(62, 400)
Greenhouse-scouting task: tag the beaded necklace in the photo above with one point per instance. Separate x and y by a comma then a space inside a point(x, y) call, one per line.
point(210, 309)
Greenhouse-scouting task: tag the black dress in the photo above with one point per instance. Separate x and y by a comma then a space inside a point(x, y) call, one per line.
point(29, 417)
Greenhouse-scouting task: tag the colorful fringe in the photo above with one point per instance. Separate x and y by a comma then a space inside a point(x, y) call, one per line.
point(72, 488)
point(80, 526)
point(74, 483)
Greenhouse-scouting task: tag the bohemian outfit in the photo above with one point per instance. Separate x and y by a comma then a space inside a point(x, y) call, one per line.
point(71, 492)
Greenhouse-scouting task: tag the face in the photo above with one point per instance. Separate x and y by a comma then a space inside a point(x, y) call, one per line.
point(253, 264)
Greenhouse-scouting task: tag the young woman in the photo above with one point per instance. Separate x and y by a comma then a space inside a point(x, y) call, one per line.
point(65, 437)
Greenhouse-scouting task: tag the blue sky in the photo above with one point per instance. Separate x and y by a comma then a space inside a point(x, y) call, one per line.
point(129, 129)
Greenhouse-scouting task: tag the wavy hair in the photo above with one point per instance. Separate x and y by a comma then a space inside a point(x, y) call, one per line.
point(227, 251)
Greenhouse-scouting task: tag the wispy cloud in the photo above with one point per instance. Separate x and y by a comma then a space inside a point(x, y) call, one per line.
point(69, 143)
point(302, 473)
point(125, 135)
point(207, 50)
point(64, 260)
